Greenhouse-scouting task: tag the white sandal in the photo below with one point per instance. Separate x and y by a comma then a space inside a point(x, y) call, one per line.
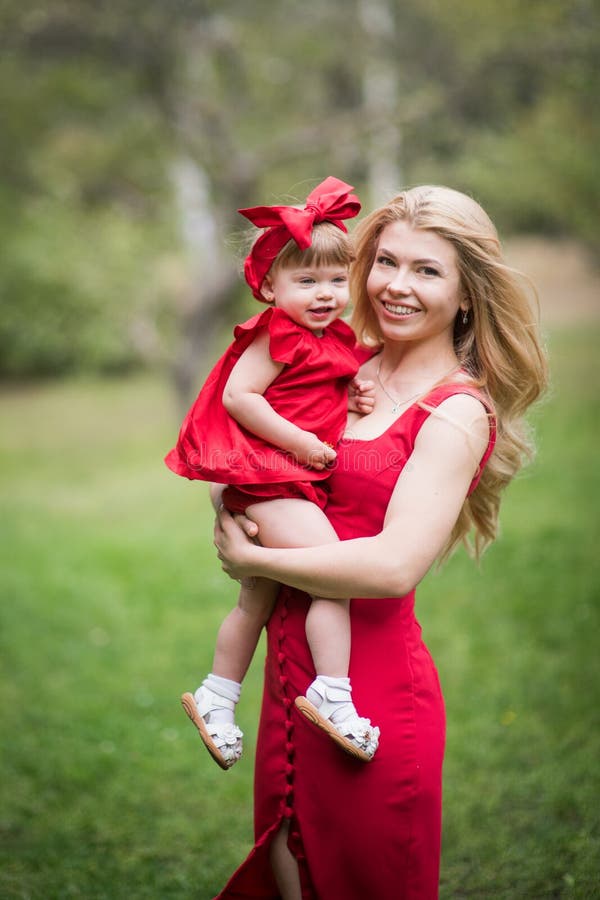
point(354, 734)
point(223, 740)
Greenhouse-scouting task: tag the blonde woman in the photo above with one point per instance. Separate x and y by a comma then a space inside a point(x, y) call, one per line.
point(447, 334)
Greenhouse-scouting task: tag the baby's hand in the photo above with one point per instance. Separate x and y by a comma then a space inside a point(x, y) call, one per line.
point(361, 396)
point(313, 452)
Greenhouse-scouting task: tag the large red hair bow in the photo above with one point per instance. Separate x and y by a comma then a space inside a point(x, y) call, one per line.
point(331, 201)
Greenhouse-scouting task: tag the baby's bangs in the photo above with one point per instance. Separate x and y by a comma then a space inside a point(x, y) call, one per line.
point(330, 247)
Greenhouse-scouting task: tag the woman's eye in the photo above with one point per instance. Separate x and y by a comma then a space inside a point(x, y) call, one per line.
point(429, 270)
point(385, 261)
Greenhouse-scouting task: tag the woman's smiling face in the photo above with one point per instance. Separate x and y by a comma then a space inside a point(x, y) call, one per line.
point(414, 284)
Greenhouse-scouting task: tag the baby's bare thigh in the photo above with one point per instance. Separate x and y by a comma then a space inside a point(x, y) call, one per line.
point(291, 523)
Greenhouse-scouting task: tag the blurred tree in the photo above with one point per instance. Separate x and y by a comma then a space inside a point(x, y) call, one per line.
point(380, 100)
point(81, 217)
point(516, 123)
point(133, 132)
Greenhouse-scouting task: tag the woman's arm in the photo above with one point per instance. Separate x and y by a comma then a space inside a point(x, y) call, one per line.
point(423, 509)
point(243, 399)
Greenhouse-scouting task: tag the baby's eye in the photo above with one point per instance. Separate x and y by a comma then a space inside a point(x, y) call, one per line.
point(307, 280)
point(341, 279)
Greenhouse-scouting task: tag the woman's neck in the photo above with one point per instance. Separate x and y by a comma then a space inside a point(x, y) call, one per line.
point(414, 362)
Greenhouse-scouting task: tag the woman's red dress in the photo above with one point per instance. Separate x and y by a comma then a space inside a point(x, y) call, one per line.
point(360, 831)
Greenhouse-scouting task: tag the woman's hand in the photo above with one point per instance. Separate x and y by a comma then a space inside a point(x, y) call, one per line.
point(235, 540)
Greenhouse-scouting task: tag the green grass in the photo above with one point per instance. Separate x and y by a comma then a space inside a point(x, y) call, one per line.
point(111, 597)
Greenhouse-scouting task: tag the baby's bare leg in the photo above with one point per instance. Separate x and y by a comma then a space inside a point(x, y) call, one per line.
point(283, 523)
point(212, 707)
point(328, 702)
point(240, 630)
point(299, 523)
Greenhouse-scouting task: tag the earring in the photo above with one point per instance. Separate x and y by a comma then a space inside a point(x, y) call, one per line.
point(465, 316)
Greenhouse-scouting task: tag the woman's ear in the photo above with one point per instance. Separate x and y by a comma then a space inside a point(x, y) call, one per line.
point(465, 309)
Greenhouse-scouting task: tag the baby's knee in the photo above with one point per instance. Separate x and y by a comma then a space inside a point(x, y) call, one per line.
point(257, 599)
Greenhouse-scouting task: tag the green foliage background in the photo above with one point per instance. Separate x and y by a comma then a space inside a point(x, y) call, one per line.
point(111, 601)
point(99, 101)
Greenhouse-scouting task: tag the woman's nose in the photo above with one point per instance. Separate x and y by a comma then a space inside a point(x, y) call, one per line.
point(400, 283)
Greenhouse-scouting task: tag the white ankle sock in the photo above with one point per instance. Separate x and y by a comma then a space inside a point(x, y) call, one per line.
point(224, 687)
point(343, 708)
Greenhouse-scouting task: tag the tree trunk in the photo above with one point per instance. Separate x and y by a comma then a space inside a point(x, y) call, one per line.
point(381, 101)
point(213, 278)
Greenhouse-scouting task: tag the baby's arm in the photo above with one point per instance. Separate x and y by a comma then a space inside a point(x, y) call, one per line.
point(243, 399)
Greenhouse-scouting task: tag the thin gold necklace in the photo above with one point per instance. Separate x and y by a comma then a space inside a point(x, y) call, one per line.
point(398, 403)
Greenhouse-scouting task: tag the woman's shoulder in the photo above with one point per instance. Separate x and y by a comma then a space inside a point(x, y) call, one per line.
point(456, 407)
point(469, 411)
point(464, 403)
point(462, 394)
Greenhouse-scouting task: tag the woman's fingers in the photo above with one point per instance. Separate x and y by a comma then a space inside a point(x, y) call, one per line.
point(228, 526)
point(232, 538)
point(223, 520)
point(249, 527)
point(219, 531)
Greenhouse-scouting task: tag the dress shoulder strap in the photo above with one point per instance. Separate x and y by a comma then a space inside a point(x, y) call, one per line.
point(421, 411)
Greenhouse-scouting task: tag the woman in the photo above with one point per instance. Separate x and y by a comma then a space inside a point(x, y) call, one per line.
point(447, 334)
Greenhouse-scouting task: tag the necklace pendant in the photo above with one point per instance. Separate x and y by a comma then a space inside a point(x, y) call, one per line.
point(395, 408)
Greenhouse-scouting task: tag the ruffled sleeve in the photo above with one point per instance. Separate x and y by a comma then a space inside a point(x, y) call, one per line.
point(246, 332)
point(286, 338)
point(344, 333)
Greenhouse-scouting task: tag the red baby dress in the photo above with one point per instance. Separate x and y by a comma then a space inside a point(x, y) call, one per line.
point(360, 831)
point(311, 391)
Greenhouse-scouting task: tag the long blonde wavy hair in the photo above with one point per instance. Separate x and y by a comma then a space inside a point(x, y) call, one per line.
point(499, 347)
